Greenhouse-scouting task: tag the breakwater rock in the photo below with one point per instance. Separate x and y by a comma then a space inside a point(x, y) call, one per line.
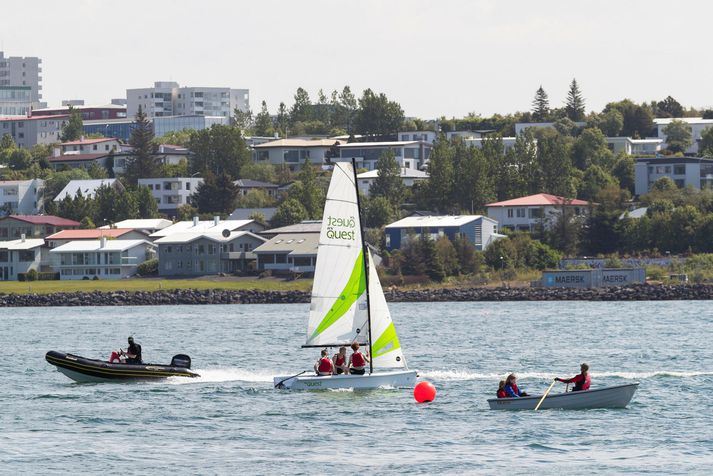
point(222, 296)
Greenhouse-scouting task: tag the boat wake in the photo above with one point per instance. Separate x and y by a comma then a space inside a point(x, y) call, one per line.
point(228, 374)
point(463, 375)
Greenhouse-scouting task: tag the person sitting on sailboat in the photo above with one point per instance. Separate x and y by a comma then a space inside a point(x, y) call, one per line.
point(340, 361)
point(357, 361)
point(511, 389)
point(581, 381)
point(324, 365)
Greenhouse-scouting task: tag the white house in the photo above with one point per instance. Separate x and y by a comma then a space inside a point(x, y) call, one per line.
point(171, 192)
point(684, 171)
point(508, 142)
point(408, 176)
point(534, 211)
point(87, 187)
point(90, 146)
point(103, 259)
point(479, 230)
point(293, 152)
point(216, 225)
point(629, 146)
point(409, 154)
point(24, 197)
point(696, 126)
point(521, 126)
point(147, 225)
point(65, 236)
point(20, 256)
point(288, 253)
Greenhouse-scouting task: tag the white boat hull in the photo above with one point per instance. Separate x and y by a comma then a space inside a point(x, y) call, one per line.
point(400, 378)
point(607, 397)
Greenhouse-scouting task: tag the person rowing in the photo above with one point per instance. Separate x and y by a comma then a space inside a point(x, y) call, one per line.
point(581, 381)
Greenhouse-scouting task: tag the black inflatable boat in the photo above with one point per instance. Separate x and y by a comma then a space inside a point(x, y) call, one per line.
point(82, 369)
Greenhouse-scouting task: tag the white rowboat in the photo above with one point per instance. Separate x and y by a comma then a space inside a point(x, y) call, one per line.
point(617, 396)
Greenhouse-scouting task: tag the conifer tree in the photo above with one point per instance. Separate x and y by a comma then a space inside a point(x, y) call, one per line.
point(263, 122)
point(72, 130)
point(143, 162)
point(540, 105)
point(388, 183)
point(575, 102)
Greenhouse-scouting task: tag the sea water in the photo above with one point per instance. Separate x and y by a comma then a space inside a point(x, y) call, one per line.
point(231, 420)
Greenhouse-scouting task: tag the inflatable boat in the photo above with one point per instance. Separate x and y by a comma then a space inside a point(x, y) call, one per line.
point(81, 369)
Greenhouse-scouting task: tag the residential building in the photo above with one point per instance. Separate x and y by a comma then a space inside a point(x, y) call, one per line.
point(215, 226)
point(89, 113)
point(479, 230)
point(15, 101)
point(288, 253)
point(521, 126)
point(65, 236)
point(167, 98)
point(78, 161)
point(306, 226)
point(100, 259)
point(162, 125)
point(88, 188)
point(30, 131)
point(245, 186)
point(20, 256)
point(424, 136)
point(508, 142)
point(696, 126)
point(171, 192)
point(293, 152)
point(23, 197)
point(408, 154)
point(73, 102)
point(117, 128)
point(534, 212)
point(146, 225)
point(408, 176)
point(23, 71)
point(629, 146)
point(684, 171)
point(197, 254)
point(246, 213)
point(165, 154)
point(33, 226)
point(90, 146)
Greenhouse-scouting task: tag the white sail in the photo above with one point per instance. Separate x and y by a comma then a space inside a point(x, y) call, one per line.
point(338, 309)
point(385, 348)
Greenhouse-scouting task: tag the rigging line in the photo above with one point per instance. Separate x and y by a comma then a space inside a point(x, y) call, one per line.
point(342, 201)
point(349, 176)
point(337, 245)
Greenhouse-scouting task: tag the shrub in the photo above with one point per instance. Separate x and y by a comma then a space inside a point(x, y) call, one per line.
point(148, 268)
point(32, 275)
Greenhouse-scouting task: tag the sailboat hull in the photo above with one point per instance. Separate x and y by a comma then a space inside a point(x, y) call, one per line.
point(396, 379)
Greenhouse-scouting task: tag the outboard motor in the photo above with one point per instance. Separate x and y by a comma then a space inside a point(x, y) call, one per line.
point(181, 360)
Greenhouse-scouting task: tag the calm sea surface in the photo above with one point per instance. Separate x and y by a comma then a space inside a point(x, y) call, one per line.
point(231, 420)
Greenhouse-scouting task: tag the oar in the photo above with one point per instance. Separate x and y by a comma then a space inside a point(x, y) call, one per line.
point(543, 396)
point(279, 384)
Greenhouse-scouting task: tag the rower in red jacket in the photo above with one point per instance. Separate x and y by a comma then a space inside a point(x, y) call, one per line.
point(581, 381)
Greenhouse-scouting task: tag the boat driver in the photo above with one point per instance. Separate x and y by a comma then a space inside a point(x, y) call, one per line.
point(133, 352)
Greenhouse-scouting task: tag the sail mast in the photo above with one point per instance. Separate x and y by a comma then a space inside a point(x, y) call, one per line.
point(365, 254)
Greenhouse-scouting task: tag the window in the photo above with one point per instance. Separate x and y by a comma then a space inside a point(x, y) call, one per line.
point(520, 212)
point(535, 213)
point(679, 169)
point(511, 213)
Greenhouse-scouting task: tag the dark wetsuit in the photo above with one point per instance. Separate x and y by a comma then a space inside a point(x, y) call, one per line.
point(134, 349)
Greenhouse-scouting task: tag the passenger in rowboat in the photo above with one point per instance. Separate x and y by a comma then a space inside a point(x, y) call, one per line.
point(501, 389)
point(581, 381)
point(511, 389)
point(340, 361)
point(357, 361)
point(324, 365)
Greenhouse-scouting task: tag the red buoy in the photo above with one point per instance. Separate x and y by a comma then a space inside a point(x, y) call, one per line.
point(424, 392)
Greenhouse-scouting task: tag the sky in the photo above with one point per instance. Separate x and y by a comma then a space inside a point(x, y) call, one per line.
point(436, 58)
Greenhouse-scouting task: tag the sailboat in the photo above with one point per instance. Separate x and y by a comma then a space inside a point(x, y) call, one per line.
point(348, 303)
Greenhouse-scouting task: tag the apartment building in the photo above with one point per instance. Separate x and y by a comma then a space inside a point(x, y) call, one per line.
point(30, 131)
point(21, 196)
point(23, 71)
point(167, 98)
point(696, 125)
point(684, 171)
point(15, 101)
point(409, 154)
point(293, 152)
point(171, 192)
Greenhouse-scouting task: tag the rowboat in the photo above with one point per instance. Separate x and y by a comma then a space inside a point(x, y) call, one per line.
point(617, 396)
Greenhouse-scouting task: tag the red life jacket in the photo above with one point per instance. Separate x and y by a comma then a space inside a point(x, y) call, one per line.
point(501, 394)
point(582, 383)
point(325, 365)
point(340, 360)
point(358, 360)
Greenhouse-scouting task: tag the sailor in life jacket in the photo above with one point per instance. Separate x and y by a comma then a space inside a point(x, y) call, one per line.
point(324, 365)
point(340, 361)
point(357, 361)
point(581, 382)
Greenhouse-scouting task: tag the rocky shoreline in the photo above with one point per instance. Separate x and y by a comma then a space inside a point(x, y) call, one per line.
point(221, 296)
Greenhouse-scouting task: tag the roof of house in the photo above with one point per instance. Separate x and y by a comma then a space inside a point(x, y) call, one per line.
point(635, 213)
point(90, 234)
point(89, 141)
point(142, 224)
point(307, 226)
point(688, 120)
point(87, 187)
point(43, 220)
point(26, 244)
point(202, 227)
point(296, 244)
point(362, 145)
point(75, 157)
point(296, 143)
point(16, 182)
point(404, 173)
point(33, 118)
point(249, 183)
point(538, 200)
point(436, 221)
point(96, 245)
point(245, 213)
point(181, 238)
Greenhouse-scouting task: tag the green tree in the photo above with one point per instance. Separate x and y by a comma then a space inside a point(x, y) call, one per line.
point(114, 205)
point(216, 194)
point(219, 150)
point(540, 105)
point(288, 213)
point(58, 180)
point(143, 162)
point(447, 256)
point(377, 115)
point(669, 107)
point(678, 136)
point(705, 146)
point(591, 148)
point(180, 138)
point(638, 119)
point(243, 120)
point(260, 172)
point(595, 179)
point(255, 199)
point(388, 183)
point(308, 192)
point(611, 123)
point(96, 171)
point(554, 166)
point(146, 203)
point(378, 212)
point(87, 224)
point(263, 122)
point(501, 254)
point(72, 129)
point(7, 142)
point(186, 212)
point(574, 107)
point(282, 121)
point(439, 191)
point(623, 171)
point(432, 263)
point(302, 108)
point(19, 159)
point(473, 185)
point(469, 260)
